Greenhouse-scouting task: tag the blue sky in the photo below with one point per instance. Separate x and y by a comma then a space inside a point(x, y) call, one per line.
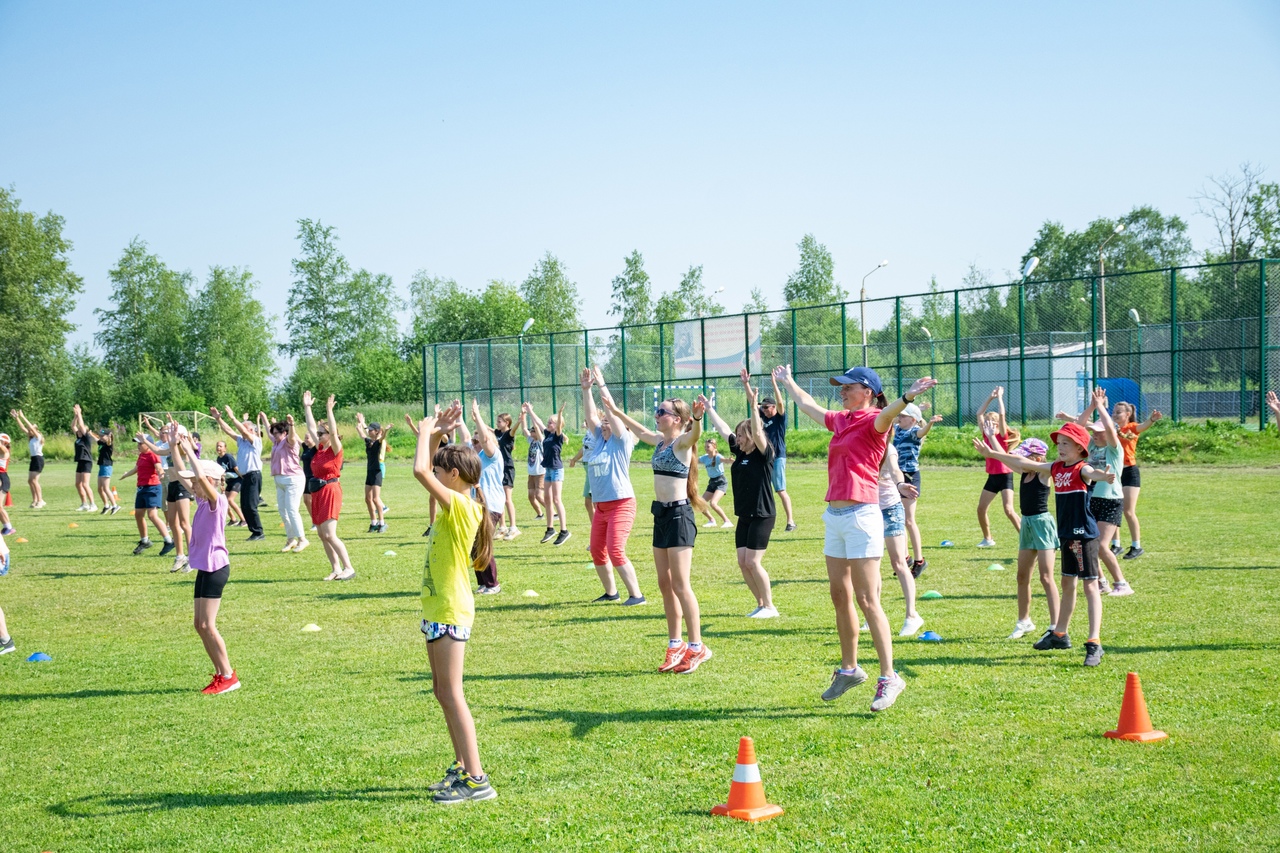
point(468, 139)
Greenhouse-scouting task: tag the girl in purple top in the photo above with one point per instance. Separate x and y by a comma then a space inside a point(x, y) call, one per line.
point(208, 556)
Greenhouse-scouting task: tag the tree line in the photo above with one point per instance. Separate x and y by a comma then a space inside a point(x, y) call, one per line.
point(171, 341)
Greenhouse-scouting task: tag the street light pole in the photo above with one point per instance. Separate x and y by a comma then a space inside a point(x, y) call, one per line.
point(1102, 294)
point(862, 307)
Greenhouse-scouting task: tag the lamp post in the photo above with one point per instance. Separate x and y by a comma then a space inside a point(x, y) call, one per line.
point(1102, 293)
point(933, 370)
point(862, 307)
point(1137, 321)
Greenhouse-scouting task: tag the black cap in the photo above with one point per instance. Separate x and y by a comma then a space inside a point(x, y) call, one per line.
point(768, 401)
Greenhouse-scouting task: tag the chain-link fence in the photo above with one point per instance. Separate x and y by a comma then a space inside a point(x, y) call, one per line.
point(1194, 342)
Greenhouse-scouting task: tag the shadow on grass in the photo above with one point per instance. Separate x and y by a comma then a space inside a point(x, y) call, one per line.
point(103, 805)
point(85, 694)
point(355, 596)
point(1197, 647)
point(1225, 568)
point(584, 722)
point(538, 676)
point(629, 615)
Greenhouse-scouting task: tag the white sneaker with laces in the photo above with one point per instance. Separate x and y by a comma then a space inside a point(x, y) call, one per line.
point(987, 543)
point(1021, 628)
point(887, 690)
point(911, 625)
point(766, 613)
point(728, 525)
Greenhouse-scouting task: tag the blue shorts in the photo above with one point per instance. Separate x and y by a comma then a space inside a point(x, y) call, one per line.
point(104, 470)
point(554, 475)
point(895, 521)
point(148, 498)
point(436, 630)
point(780, 474)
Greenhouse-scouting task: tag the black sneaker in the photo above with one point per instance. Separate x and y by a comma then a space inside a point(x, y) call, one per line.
point(634, 600)
point(1116, 549)
point(1050, 640)
point(1092, 654)
point(168, 548)
point(606, 597)
point(549, 535)
point(451, 776)
point(466, 789)
point(789, 528)
point(382, 528)
point(257, 537)
point(143, 544)
point(426, 532)
point(373, 528)
point(1134, 553)
point(918, 567)
point(563, 537)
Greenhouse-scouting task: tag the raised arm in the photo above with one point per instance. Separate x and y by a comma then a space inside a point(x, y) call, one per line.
point(78, 425)
point(413, 425)
point(361, 427)
point(185, 452)
point(633, 426)
point(777, 395)
point(222, 424)
point(885, 419)
point(718, 423)
point(1017, 463)
point(1109, 426)
point(539, 428)
point(488, 441)
point(589, 413)
point(431, 430)
point(618, 425)
point(293, 438)
point(313, 432)
point(335, 439)
point(1272, 403)
point(799, 396)
point(264, 424)
point(143, 441)
point(242, 426)
point(689, 439)
point(758, 438)
point(1103, 475)
point(928, 425)
point(1000, 410)
point(986, 404)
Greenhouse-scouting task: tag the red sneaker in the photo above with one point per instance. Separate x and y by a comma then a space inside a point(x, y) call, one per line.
point(213, 685)
point(225, 683)
point(674, 656)
point(692, 660)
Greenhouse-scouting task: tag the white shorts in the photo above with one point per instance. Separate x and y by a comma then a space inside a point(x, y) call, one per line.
point(854, 532)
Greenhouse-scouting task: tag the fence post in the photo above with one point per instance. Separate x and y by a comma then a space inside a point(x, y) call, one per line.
point(844, 337)
point(424, 381)
point(897, 322)
point(622, 338)
point(551, 345)
point(746, 349)
point(1175, 354)
point(489, 344)
point(1262, 345)
point(1022, 351)
point(435, 368)
point(1093, 336)
point(1244, 386)
point(520, 368)
point(462, 380)
point(702, 336)
point(955, 316)
point(662, 358)
point(795, 410)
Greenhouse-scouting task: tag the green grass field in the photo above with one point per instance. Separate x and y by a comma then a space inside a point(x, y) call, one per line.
point(993, 746)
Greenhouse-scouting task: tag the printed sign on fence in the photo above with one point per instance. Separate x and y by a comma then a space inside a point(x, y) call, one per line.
point(728, 342)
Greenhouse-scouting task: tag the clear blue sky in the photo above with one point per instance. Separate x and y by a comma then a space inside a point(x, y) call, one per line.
point(467, 139)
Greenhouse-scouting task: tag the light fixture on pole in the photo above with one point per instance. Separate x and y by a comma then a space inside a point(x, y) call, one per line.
point(862, 307)
point(1029, 267)
point(1102, 293)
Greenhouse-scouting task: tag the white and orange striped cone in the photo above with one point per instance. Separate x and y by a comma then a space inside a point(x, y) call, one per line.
point(746, 793)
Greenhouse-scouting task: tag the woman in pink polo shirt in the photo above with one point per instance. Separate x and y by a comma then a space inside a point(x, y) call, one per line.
point(854, 525)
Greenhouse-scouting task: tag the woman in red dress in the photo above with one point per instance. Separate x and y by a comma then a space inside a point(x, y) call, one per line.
point(326, 497)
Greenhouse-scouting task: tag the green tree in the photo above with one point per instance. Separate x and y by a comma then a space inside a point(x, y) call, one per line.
point(320, 323)
point(689, 299)
point(37, 291)
point(146, 328)
point(757, 304)
point(1149, 240)
point(552, 298)
point(231, 341)
point(813, 282)
point(93, 387)
point(443, 312)
point(632, 294)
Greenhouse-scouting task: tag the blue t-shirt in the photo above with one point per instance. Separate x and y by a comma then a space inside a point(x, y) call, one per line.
point(495, 497)
point(608, 465)
point(713, 470)
point(907, 442)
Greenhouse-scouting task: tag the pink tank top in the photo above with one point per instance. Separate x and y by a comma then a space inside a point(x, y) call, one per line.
point(284, 459)
point(208, 547)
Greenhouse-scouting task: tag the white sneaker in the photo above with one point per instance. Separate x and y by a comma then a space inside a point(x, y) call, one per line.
point(1121, 589)
point(987, 543)
point(887, 690)
point(1023, 627)
point(82, 508)
point(766, 613)
point(40, 505)
point(728, 525)
point(754, 613)
point(911, 625)
point(512, 533)
point(865, 627)
point(711, 524)
point(92, 508)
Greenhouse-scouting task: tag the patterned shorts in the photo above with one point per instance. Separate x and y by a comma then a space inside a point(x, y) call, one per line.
point(436, 630)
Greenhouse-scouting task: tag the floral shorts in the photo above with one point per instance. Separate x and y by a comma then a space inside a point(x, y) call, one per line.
point(436, 630)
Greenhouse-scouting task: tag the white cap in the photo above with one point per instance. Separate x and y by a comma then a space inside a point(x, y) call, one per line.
point(212, 469)
point(4, 436)
point(913, 411)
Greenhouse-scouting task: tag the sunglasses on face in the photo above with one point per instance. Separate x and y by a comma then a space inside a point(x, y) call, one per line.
point(659, 412)
point(322, 433)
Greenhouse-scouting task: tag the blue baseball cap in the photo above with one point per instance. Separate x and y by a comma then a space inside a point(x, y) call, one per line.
point(860, 376)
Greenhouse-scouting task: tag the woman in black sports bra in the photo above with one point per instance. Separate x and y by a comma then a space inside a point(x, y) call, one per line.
point(676, 497)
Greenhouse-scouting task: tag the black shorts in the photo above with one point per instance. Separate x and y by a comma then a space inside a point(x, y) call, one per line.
point(753, 531)
point(1080, 559)
point(37, 464)
point(233, 485)
point(83, 467)
point(997, 483)
point(673, 526)
point(1131, 477)
point(177, 491)
point(912, 477)
point(717, 484)
point(509, 477)
point(373, 478)
point(4, 482)
point(1106, 510)
point(211, 584)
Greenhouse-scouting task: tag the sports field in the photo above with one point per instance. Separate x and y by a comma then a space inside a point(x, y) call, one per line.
point(332, 740)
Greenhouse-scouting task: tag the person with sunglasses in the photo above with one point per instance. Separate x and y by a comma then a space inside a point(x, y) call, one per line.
point(854, 524)
point(326, 497)
point(286, 471)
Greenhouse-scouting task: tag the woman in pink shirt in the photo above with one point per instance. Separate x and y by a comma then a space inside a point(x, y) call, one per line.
point(286, 470)
point(854, 526)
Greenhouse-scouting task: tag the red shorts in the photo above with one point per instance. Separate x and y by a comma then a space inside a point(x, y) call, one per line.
point(610, 528)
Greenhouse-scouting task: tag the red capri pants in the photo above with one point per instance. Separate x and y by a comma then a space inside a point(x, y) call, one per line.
point(609, 531)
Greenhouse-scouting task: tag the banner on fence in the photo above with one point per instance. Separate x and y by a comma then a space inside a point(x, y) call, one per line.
point(723, 344)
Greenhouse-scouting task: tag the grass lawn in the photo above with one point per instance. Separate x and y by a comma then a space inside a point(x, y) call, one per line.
point(330, 743)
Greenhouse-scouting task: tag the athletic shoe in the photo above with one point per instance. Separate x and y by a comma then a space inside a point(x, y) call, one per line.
point(865, 628)
point(257, 537)
point(490, 590)
point(918, 567)
point(674, 656)
point(766, 613)
point(385, 508)
point(728, 525)
point(606, 597)
point(425, 533)
point(41, 505)
point(7, 645)
point(1134, 553)
point(1050, 640)
point(1121, 589)
point(373, 528)
point(115, 509)
point(1104, 586)
point(512, 533)
point(632, 601)
point(1092, 654)
point(911, 625)
point(692, 660)
point(563, 537)
point(7, 531)
point(105, 510)
point(177, 564)
point(143, 544)
point(753, 613)
point(168, 549)
point(711, 524)
point(82, 508)
point(451, 775)
point(289, 546)
point(790, 527)
point(302, 544)
point(549, 535)
point(92, 508)
point(842, 681)
point(1116, 549)
point(887, 690)
point(222, 684)
point(987, 543)
point(465, 789)
point(538, 517)
point(382, 528)
point(4, 564)
point(1021, 628)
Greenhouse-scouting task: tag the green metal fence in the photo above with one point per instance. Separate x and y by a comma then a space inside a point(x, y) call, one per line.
point(1195, 342)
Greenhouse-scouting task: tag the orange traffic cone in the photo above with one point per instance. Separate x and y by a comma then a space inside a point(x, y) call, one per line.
point(1134, 723)
point(746, 793)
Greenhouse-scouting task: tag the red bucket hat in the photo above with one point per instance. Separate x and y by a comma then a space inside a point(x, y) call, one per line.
point(1073, 431)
